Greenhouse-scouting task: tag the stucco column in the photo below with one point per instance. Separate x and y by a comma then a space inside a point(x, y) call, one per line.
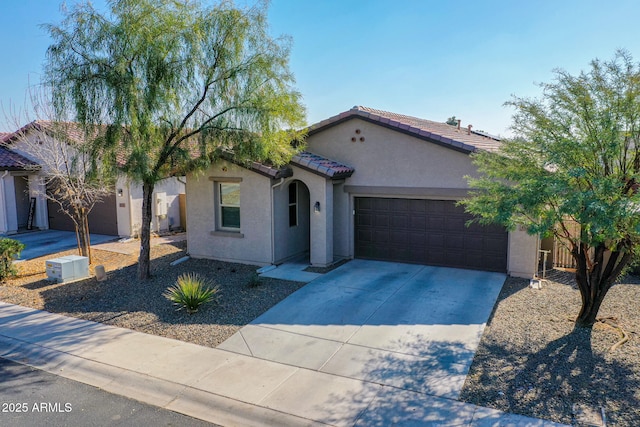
point(321, 227)
point(3, 203)
point(523, 254)
point(10, 199)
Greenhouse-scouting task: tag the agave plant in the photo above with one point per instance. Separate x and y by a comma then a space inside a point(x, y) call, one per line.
point(190, 292)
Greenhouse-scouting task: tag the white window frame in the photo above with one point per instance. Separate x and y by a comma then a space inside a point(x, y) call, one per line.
point(220, 205)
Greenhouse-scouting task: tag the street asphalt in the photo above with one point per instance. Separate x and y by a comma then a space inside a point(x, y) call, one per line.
point(30, 397)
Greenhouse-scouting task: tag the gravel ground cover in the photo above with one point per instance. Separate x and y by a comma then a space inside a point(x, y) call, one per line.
point(531, 361)
point(125, 302)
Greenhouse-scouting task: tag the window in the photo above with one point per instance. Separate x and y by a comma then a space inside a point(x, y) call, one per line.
point(229, 206)
point(293, 204)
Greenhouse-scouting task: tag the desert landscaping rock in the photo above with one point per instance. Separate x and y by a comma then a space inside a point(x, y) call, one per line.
point(121, 300)
point(531, 361)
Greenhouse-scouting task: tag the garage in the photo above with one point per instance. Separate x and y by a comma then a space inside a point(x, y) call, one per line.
point(102, 218)
point(432, 232)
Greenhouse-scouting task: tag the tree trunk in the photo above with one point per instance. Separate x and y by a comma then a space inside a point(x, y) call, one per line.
point(82, 233)
point(144, 260)
point(590, 307)
point(594, 279)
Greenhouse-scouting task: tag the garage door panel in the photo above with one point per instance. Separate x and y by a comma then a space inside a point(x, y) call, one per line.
point(494, 245)
point(426, 232)
point(418, 223)
point(400, 205)
point(416, 240)
point(399, 221)
point(436, 241)
point(417, 206)
point(381, 205)
point(436, 222)
point(475, 260)
point(382, 220)
point(455, 224)
point(401, 238)
point(455, 241)
point(364, 219)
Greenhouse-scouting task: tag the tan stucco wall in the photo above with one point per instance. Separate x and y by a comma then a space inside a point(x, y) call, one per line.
point(389, 163)
point(129, 205)
point(390, 158)
point(253, 244)
point(523, 254)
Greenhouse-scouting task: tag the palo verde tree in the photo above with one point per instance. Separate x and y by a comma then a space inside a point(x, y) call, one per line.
point(575, 158)
point(177, 84)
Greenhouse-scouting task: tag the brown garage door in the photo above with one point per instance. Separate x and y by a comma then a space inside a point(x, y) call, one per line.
point(102, 218)
point(426, 232)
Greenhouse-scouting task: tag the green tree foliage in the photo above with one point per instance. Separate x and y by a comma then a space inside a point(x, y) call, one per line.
point(575, 157)
point(177, 85)
point(452, 121)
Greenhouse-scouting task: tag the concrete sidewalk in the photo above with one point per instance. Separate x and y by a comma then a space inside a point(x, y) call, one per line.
point(219, 386)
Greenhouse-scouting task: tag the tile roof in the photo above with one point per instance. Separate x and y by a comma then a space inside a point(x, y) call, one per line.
point(12, 161)
point(71, 129)
point(321, 166)
point(270, 171)
point(463, 139)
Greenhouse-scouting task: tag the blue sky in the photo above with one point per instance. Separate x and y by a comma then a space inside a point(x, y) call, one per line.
point(430, 59)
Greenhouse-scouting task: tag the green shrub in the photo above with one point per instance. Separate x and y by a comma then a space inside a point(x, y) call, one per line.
point(254, 281)
point(190, 292)
point(9, 250)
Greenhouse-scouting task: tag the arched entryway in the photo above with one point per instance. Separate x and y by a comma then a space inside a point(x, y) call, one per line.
point(292, 220)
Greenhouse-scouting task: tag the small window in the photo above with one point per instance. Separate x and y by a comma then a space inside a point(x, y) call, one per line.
point(293, 204)
point(229, 206)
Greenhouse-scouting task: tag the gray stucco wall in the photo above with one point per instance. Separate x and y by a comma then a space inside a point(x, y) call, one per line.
point(252, 245)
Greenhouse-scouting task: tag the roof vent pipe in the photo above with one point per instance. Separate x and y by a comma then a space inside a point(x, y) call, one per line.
point(469, 130)
point(459, 122)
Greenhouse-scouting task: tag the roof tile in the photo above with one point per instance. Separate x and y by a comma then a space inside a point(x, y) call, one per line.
point(10, 160)
point(321, 165)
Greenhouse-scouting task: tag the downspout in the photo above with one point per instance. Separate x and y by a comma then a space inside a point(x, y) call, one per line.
point(273, 222)
point(4, 202)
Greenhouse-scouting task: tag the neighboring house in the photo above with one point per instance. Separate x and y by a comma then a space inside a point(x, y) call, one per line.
point(119, 214)
point(20, 205)
point(372, 184)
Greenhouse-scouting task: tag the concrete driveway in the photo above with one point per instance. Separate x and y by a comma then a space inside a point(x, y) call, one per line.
point(407, 326)
point(45, 242)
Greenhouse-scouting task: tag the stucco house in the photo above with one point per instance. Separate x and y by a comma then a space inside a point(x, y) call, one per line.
point(23, 204)
point(371, 184)
point(18, 184)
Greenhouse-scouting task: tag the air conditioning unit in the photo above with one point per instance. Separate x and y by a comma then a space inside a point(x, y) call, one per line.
point(67, 268)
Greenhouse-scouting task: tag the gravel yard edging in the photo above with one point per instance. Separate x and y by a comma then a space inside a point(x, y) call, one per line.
point(531, 360)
